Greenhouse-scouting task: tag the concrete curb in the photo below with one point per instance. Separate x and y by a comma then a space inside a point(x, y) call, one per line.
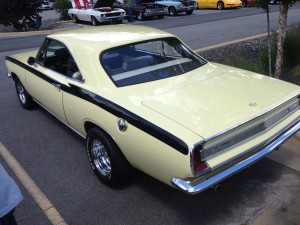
point(35, 33)
point(231, 42)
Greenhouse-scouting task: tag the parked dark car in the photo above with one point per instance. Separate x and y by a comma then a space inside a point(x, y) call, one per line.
point(145, 9)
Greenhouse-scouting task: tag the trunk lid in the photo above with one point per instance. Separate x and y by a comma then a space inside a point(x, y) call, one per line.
point(218, 103)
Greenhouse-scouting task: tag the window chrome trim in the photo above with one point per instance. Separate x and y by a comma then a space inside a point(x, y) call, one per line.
point(267, 147)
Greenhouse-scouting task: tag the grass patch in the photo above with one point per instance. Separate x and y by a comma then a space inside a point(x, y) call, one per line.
point(247, 64)
point(296, 74)
point(260, 63)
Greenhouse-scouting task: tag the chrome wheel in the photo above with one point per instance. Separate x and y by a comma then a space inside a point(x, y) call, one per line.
point(24, 98)
point(140, 16)
point(172, 11)
point(75, 20)
point(107, 161)
point(94, 21)
point(100, 157)
point(21, 92)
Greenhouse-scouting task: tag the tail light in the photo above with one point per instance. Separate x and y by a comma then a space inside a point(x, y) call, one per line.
point(198, 165)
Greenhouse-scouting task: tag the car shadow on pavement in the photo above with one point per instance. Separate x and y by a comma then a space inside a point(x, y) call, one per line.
point(240, 198)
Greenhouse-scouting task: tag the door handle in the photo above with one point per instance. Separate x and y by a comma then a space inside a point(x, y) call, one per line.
point(57, 85)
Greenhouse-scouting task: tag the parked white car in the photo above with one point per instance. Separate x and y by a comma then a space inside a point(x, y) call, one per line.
point(45, 5)
point(178, 6)
point(101, 12)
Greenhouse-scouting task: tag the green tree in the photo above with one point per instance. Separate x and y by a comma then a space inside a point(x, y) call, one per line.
point(283, 13)
point(264, 4)
point(62, 7)
point(12, 11)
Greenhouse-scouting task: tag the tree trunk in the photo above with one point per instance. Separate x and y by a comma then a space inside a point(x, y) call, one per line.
point(269, 41)
point(283, 11)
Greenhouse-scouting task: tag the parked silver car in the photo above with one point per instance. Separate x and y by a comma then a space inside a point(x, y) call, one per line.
point(179, 6)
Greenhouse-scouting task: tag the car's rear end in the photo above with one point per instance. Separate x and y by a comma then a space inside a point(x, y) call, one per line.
point(248, 127)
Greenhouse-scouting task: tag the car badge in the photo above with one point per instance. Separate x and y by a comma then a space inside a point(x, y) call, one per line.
point(253, 104)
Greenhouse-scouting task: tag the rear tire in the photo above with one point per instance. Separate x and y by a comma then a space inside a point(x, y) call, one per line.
point(107, 160)
point(23, 96)
point(244, 3)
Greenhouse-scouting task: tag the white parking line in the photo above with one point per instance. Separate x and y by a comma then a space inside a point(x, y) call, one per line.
point(230, 42)
point(40, 198)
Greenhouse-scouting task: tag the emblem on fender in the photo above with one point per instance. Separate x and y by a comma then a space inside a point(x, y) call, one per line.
point(122, 124)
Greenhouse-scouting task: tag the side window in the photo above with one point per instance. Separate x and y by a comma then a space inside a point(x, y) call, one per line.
point(56, 56)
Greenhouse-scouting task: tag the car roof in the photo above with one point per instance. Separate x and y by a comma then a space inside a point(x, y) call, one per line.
point(104, 37)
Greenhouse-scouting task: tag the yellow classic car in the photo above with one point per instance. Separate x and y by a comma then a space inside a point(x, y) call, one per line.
point(219, 4)
point(142, 99)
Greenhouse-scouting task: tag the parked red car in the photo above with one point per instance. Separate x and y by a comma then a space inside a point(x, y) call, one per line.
point(246, 3)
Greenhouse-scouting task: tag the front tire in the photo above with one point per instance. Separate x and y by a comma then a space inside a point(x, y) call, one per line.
point(94, 21)
point(140, 15)
point(107, 161)
point(220, 5)
point(74, 18)
point(172, 11)
point(23, 96)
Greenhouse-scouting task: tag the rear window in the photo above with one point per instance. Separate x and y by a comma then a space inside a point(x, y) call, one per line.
point(149, 61)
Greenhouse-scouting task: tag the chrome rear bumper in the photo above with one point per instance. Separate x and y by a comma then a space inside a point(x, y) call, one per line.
point(187, 187)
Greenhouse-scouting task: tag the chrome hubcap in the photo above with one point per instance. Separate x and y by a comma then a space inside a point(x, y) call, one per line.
point(100, 157)
point(21, 92)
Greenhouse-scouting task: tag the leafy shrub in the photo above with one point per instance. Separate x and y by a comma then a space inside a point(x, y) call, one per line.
point(264, 57)
point(291, 57)
point(62, 7)
point(12, 11)
point(291, 49)
point(296, 74)
point(247, 64)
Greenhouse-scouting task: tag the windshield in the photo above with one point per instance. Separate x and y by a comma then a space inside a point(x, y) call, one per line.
point(149, 61)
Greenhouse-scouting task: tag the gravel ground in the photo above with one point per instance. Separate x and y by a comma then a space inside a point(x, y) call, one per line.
point(247, 49)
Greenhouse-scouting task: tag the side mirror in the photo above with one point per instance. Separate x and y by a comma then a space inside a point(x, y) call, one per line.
point(31, 61)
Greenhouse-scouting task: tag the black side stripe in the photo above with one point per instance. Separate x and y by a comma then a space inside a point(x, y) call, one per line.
point(114, 109)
